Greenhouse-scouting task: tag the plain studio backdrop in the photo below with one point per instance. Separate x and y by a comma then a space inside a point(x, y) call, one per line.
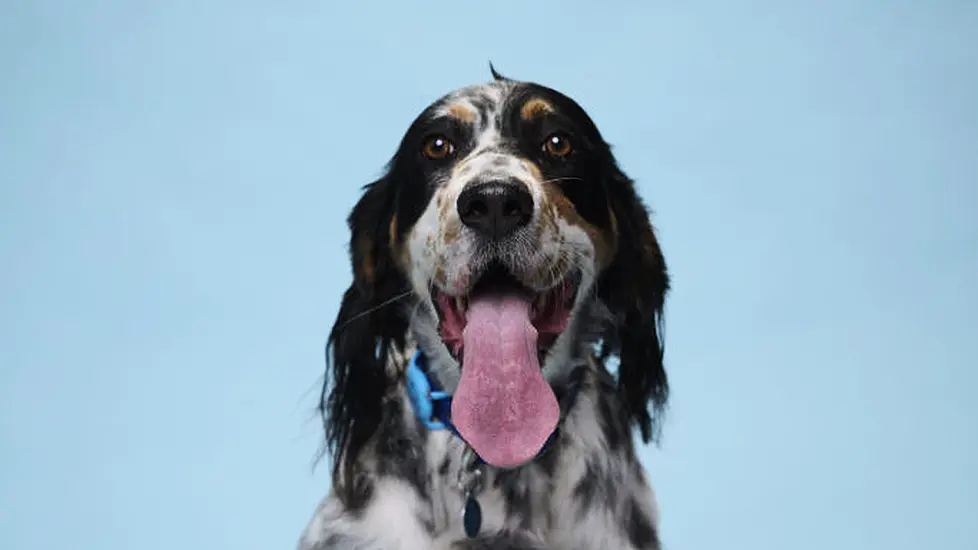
point(174, 179)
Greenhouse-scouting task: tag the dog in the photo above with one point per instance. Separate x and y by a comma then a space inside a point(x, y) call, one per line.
point(500, 341)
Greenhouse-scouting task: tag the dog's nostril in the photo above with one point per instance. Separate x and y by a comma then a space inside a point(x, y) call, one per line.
point(512, 208)
point(496, 209)
point(475, 207)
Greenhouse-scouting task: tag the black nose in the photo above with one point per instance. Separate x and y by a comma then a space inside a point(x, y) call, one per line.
point(496, 209)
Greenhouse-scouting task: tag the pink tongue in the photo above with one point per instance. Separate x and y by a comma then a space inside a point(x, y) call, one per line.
point(503, 407)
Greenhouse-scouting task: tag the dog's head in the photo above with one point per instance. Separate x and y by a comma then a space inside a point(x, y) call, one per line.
point(503, 238)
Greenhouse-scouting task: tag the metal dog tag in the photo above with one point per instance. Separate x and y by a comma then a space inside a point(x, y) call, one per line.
point(471, 516)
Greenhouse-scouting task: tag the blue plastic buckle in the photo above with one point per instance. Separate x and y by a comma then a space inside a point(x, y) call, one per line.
point(423, 397)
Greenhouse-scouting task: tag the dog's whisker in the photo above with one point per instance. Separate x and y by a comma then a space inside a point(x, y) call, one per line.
point(563, 178)
point(376, 308)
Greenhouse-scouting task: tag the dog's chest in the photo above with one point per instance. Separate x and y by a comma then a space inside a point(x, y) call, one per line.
point(507, 500)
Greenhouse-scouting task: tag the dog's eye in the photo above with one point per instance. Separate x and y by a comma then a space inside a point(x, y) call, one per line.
point(438, 147)
point(558, 145)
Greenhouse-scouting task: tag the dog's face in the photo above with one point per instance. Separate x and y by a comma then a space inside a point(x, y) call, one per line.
point(503, 206)
point(509, 188)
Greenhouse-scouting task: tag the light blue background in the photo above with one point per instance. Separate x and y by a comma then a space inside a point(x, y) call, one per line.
point(175, 177)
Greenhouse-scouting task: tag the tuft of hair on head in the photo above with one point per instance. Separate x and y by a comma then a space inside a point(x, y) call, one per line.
point(496, 75)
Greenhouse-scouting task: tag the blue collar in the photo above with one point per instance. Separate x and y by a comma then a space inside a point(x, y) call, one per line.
point(433, 407)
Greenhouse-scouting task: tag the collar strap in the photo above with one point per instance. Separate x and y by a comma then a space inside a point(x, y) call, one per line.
point(433, 407)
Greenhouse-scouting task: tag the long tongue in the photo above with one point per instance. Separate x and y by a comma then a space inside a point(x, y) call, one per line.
point(503, 407)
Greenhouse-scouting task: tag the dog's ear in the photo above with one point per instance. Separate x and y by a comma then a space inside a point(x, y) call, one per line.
point(368, 326)
point(634, 287)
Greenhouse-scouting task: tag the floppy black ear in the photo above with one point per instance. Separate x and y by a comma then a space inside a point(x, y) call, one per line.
point(634, 287)
point(367, 327)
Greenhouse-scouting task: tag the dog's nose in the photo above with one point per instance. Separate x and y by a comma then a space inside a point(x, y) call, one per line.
point(496, 209)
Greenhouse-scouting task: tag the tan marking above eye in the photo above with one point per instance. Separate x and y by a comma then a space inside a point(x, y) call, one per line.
point(534, 108)
point(558, 145)
point(461, 112)
point(438, 147)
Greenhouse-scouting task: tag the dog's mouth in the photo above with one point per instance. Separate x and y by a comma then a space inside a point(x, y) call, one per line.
point(500, 333)
point(550, 309)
